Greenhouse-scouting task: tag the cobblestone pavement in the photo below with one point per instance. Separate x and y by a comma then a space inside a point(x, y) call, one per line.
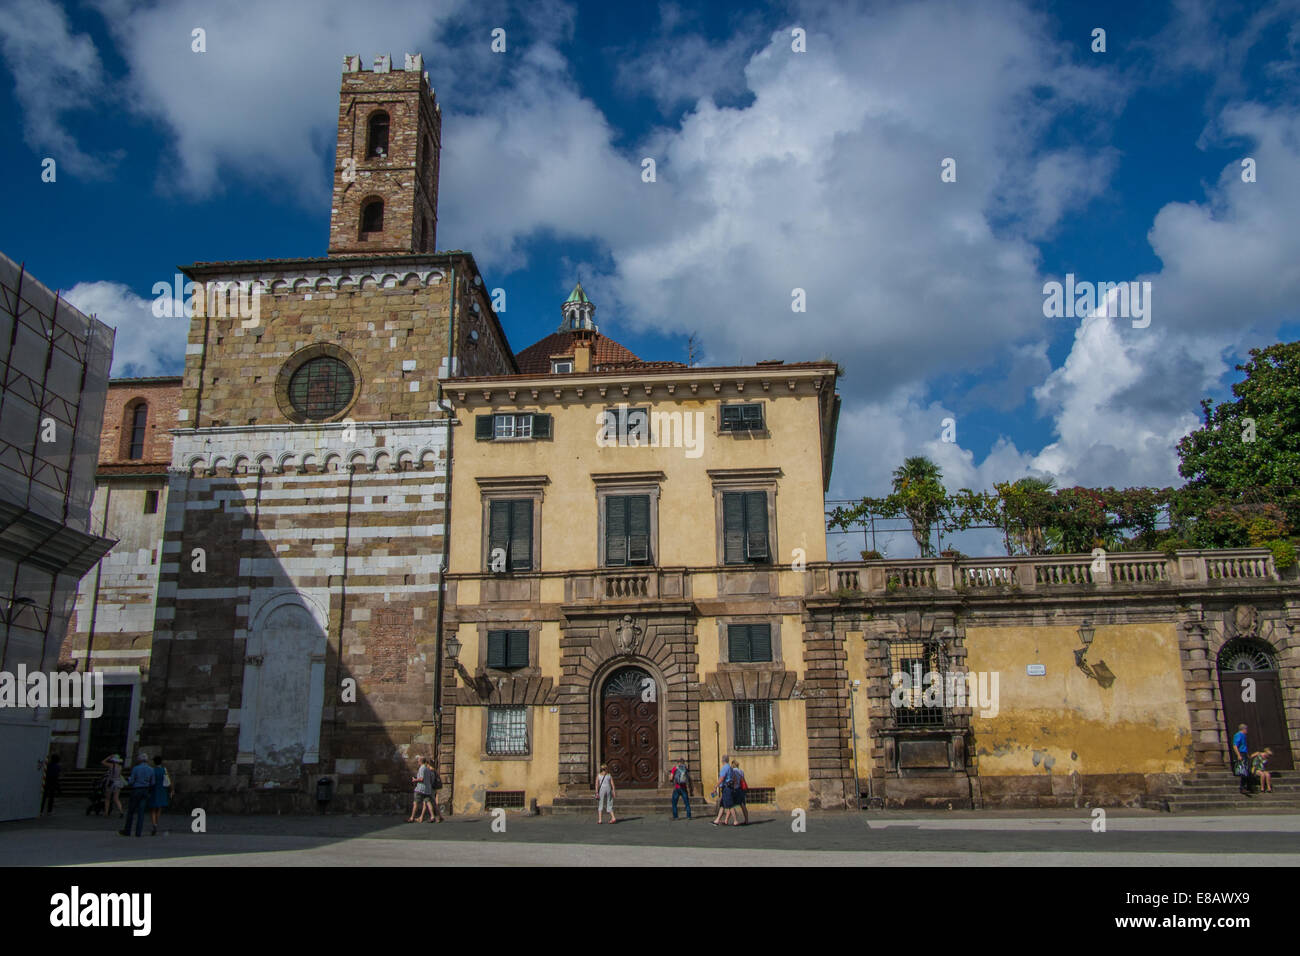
point(1132, 838)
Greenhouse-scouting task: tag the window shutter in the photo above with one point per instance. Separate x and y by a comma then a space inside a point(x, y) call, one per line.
point(496, 655)
point(499, 530)
point(483, 427)
point(733, 527)
point(518, 656)
point(616, 531)
point(638, 529)
point(760, 642)
point(521, 535)
point(753, 416)
point(730, 417)
point(738, 644)
point(756, 524)
point(541, 426)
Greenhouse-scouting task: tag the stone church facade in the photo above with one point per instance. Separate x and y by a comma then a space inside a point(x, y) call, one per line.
point(305, 530)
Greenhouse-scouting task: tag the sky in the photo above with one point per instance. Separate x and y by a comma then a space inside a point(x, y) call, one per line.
point(920, 171)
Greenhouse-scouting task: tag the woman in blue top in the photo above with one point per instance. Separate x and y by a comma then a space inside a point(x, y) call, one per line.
point(159, 796)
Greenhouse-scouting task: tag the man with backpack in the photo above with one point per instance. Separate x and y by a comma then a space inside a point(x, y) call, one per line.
point(724, 793)
point(681, 779)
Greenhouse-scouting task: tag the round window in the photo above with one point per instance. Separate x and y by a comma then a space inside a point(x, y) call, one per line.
point(320, 388)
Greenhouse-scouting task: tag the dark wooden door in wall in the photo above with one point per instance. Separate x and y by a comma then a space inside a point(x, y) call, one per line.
point(108, 731)
point(1264, 718)
point(630, 728)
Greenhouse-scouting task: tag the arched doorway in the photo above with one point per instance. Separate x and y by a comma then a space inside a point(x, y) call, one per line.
point(629, 709)
point(1258, 707)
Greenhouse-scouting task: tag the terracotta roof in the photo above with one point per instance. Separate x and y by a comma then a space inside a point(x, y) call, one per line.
point(536, 359)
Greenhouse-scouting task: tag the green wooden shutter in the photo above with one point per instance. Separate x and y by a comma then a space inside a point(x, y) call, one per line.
point(483, 427)
point(760, 642)
point(738, 650)
point(756, 525)
point(518, 655)
point(616, 531)
point(521, 535)
point(733, 527)
point(498, 530)
point(496, 655)
point(638, 529)
point(541, 426)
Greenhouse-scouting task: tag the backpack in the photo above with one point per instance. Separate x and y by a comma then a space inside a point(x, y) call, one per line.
point(679, 775)
point(735, 779)
point(437, 781)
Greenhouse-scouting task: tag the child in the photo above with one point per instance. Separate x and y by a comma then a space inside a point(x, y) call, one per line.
point(605, 795)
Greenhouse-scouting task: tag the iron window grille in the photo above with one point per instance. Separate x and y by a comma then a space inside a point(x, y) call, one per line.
point(511, 532)
point(1243, 654)
point(507, 733)
point(747, 417)
point(627, 530)
point(918, 660)
point(745, 532)
point(507, 650)
point(321, 388)
point(749, 643)
point(763, 795)
point(504, 800)
point(754, 727)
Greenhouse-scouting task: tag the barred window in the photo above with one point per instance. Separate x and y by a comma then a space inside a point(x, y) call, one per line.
point(754, 727)
point(321, 388)
point(747, 417)
point(507, 730)
point(918, 666)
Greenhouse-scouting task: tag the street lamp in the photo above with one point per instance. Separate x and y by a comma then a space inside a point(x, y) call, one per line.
point(1099, 672)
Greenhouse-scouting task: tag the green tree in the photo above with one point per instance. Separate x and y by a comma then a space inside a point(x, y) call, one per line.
point(918, 489)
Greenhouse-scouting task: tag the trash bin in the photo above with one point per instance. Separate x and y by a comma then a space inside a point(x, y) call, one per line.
point(324, 792)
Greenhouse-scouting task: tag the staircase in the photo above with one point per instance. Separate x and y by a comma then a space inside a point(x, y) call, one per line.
point(1221, 790)
point(631, 803)
point(79, 783)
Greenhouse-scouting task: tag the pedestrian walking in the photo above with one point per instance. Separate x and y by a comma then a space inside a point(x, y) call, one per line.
point(1241, 758)
point(726, 809)
point(681, 779)
point(53, 770)
point(605, 795)
point(434, 780)
point(738, 788)
point(420, 801)
point(113, 792)
point(160, 794)
point(140, 784)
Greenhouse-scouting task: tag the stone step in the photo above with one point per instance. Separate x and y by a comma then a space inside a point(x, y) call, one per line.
point(1246, 805)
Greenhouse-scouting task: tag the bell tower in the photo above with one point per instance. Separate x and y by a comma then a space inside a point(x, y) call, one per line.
point(386, 166)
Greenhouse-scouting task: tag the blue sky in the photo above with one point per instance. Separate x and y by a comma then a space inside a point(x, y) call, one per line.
point(776, 170)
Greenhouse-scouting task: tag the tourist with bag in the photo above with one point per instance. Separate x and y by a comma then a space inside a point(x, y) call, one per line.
point(681, 780)
point(605, 795)
point(1241, 758)
point(738, 788)
point(160, 793)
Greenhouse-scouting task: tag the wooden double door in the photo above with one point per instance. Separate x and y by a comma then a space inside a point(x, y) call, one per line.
point(630, 728)
point(1263, 716)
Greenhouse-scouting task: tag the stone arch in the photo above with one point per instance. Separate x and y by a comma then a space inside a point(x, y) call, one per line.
point(382, 461)
point(310, 462)
point(265, 462)
point(195, 466)
point(404, 459)
point(595, 695)
point(240, 465)
point(332, 462)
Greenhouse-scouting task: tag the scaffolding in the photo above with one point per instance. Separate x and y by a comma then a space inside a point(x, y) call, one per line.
point(54, 368)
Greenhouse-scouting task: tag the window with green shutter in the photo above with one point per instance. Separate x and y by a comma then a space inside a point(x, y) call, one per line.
point(507, 650)
point(749, 643)
point(510, 530)
point(747, 417)
point(627, 530)
point(744, 527)
point(512, 426)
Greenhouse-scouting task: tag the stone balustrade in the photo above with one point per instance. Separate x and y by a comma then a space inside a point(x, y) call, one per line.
point(1147, 569)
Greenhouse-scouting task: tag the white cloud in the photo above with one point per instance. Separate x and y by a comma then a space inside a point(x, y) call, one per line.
point(145, 344)
point(55, 72)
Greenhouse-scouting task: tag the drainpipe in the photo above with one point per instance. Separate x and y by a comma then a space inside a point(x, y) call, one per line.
point(446, 533)
point(99, 573)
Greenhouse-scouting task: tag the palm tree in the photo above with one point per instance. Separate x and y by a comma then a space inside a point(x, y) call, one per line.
point(918, 485)
point(1029, 531)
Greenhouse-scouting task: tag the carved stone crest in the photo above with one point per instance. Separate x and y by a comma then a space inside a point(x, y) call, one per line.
point(1245, 620)
point(627, 636)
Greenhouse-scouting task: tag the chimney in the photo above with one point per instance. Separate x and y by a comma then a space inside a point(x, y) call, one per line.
point(582, 356)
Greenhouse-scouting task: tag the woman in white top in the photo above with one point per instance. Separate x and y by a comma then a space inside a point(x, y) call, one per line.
point(113, 792)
